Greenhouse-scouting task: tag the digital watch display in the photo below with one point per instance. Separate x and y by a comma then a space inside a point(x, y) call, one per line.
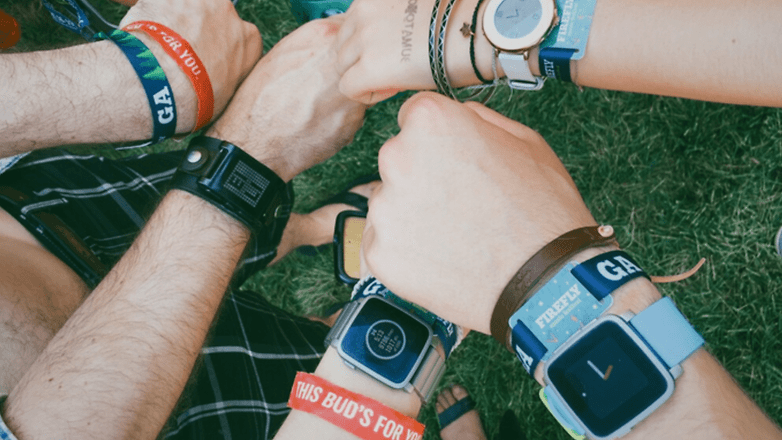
point(618, 370)
point(385, 341)
point(609, 378)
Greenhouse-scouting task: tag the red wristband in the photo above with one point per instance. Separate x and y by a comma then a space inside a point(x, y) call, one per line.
point(179, 49)
point(367, 418)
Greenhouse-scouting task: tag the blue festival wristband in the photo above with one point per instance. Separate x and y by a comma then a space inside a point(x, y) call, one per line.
point(574, 297)
point(568, 40)
point(154, 81)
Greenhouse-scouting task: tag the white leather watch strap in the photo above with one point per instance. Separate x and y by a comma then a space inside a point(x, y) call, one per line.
point(517, 70)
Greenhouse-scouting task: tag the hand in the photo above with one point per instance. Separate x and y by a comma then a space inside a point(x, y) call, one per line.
point(468, 196)
point(384, 48)
point(227, 45)
point(289, 113)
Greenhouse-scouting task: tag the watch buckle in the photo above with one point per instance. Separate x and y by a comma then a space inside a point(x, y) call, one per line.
point(526, 86)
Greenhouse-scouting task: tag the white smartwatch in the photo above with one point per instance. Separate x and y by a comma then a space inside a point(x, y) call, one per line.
point(513, 27)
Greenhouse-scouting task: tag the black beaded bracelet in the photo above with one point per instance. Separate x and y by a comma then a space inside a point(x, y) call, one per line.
point(473, 28)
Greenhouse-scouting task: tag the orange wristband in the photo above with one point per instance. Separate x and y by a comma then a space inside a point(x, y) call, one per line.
point(367, 418)
point(179, 49)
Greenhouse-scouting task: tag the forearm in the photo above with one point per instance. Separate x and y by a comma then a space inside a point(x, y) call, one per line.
point(121, 361)
point(81, 94)
point(720, 52)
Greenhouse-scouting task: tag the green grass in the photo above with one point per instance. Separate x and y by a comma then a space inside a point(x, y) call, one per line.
point(678, 179)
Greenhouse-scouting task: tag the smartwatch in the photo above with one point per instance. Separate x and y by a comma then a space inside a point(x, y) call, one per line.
point(513, 27)
point(232, 180)
point(390, 344)
point(617, 370)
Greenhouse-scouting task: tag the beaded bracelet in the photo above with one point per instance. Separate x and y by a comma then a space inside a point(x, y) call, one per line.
point(153, 79)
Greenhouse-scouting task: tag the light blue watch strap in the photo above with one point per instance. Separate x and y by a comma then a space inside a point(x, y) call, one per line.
point(559, 411)
point(667, 332)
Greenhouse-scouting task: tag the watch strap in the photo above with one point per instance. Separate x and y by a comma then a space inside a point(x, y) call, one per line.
point(430, 371)
point(558, 409)
point(517, 70)
point(667, 332)
point(537, 268)
point(232, 180)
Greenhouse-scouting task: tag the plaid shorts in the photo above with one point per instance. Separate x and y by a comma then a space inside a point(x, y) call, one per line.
point(87, 210)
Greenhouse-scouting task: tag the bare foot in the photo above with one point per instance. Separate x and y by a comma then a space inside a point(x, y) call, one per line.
point(467, 426)
point(317, 227)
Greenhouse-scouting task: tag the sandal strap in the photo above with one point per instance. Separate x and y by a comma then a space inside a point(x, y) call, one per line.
point(455, 411)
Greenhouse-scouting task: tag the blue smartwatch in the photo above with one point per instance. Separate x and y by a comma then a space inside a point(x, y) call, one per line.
point(617, 370)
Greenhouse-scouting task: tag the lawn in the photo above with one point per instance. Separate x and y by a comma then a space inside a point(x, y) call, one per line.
point(678, 180)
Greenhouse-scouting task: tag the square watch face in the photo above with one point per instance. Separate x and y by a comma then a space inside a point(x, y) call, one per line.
point(386, 342)
point(608, 380)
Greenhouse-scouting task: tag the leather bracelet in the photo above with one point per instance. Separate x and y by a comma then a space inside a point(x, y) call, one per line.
point(545, 262)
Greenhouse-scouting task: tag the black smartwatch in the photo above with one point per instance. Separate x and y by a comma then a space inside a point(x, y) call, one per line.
point(232, 180)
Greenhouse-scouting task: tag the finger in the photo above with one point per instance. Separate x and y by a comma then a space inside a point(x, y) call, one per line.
point(348, 54)
point(348, 27)
point(253, 47)
point(355, 85)
point(424, 107)
point(513, 127)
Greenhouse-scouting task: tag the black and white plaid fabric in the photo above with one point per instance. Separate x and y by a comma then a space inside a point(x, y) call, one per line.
point(87, 210)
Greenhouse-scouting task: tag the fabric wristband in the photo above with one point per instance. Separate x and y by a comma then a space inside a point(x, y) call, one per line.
point(577, 295)
point(153, 79)
point(181, 51)
point(364, 417)
point(568, 40)
point(542, 264)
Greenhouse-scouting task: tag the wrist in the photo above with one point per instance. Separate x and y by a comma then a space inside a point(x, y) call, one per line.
point(184, 94)
point(633, 296)
point(223, 129)
point(333, 369)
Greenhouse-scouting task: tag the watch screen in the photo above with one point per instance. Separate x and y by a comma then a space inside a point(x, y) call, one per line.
point(606, 379)
point(386, 340)
point(517, 18)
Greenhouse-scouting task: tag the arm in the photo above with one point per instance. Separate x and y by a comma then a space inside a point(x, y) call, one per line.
point(90, 93)
point(507, 170)
point(117, 367)
point(703, 50)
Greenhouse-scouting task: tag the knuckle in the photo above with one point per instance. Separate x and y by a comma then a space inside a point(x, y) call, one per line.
point(323, 28)
point(427, 106)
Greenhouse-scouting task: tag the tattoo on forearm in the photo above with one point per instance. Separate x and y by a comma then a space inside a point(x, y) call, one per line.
point(407, 29)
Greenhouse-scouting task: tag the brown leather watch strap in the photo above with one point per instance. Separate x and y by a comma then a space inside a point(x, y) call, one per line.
point(541, 264)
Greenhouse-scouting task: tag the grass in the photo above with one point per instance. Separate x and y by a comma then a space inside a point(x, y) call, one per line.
point(678, 179)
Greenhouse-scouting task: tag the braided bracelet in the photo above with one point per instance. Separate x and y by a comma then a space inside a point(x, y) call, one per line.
point(445, 83)
point(153, 79)
point(433, 46)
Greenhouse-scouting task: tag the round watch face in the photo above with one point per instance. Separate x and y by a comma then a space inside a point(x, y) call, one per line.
point(385, 339)
point(515, 25)
point(517, 18)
